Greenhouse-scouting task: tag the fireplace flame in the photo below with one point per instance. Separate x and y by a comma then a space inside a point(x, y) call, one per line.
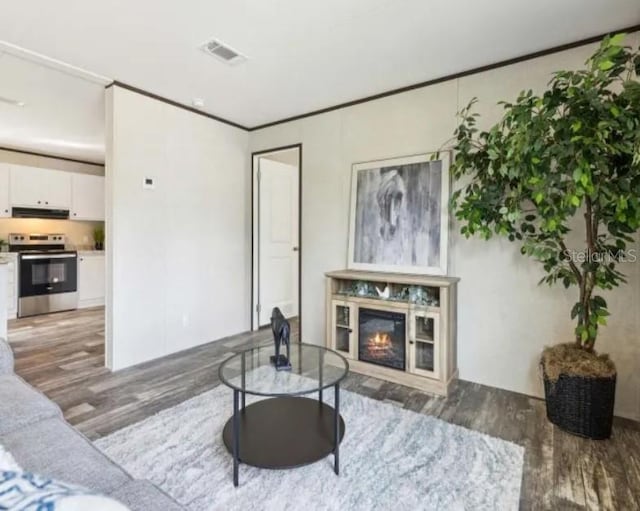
point(379, 342)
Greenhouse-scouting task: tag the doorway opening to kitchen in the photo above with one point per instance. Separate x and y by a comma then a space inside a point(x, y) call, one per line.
point(52, 214)
point(276, 197)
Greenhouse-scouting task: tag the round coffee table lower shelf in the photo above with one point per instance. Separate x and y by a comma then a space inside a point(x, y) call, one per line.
point(284, 432)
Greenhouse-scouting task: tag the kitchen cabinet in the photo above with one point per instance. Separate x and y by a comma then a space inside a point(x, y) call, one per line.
point(91, 279)
point(87, 197)
point(5, 206)
point(40, 188)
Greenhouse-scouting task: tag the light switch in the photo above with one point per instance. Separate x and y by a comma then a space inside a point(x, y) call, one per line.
point(148, 183)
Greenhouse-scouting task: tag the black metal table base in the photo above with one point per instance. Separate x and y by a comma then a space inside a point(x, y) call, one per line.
point(283, 432)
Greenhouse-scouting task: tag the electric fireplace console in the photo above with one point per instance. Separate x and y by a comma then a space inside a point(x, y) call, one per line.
point(396, 327)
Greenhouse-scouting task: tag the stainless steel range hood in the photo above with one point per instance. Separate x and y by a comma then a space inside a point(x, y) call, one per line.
point(60, 214)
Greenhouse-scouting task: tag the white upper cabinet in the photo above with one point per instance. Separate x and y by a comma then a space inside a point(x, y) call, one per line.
point(87, 197)
point(32, 187)
point(57, 189)
point(25, 187)
point(5, 206)
point(40, 188)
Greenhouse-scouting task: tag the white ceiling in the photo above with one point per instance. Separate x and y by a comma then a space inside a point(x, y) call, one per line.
point(63, 112)
point(303, 55)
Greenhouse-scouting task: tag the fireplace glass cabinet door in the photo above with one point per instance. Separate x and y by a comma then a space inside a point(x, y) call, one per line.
point(424, 344)
point(342, 336)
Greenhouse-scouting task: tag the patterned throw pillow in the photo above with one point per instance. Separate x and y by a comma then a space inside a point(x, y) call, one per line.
point(20, 491)
point(7, 462)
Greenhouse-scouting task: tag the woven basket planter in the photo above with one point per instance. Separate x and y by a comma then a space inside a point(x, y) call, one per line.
point(582, 406)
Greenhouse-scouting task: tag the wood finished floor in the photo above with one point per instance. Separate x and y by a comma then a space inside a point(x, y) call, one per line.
point(63, 356)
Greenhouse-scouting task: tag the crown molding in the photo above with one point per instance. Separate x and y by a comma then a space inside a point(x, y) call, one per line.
point(461, 74)
point(49, 155)
point(454, 76)
point(177, 104)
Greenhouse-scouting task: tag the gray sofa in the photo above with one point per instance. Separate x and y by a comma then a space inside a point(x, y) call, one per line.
point(33, 430)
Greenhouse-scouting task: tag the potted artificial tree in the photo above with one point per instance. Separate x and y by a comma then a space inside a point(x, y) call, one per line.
point(98, 238)
point(559, 169)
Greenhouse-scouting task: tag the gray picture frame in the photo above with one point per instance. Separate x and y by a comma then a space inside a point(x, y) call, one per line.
point(399, 215)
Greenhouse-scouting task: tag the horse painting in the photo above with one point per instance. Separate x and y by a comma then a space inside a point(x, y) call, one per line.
point(398, 215)
point(391, 199)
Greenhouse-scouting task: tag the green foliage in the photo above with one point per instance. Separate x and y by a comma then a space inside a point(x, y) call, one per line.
point(98, 235)
point(574, 150)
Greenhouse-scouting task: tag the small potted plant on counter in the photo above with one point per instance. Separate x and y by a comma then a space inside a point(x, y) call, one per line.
point(559, 169)
point(98, 238)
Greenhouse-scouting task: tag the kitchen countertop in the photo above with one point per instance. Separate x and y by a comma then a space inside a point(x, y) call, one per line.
point(91, 252)
point(7, 257)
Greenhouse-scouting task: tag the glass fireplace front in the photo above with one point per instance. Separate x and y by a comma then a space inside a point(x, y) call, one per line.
point(381, 337)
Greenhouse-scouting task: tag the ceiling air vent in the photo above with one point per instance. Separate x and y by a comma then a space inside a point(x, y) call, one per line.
point(222, 52)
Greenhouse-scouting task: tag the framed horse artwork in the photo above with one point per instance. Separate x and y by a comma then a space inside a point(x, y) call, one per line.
point(399, 219)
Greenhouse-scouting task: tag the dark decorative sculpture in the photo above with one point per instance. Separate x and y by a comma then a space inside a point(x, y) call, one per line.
point(281, 336)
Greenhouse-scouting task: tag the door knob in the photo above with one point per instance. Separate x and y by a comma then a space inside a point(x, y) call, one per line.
point(295, 249)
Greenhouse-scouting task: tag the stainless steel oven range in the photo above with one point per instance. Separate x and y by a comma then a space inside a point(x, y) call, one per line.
point(47, 274)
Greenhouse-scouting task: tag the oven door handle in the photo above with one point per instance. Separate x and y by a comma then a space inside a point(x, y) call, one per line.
point(44, 256)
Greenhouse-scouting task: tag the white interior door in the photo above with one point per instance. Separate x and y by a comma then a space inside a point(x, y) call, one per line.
point(278, 239)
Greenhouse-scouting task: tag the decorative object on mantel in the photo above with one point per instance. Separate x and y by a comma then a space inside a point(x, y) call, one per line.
point(383, 293)
point(402, 330)
point(419, 295)
point(281, 336)
point(584, 163)
point(362, 288)
point(399, 215)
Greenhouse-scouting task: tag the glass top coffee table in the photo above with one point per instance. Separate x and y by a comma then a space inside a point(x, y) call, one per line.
point(285, 430)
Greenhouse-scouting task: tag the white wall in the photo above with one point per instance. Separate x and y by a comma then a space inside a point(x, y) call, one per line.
point(179, 256)
point(504, 318)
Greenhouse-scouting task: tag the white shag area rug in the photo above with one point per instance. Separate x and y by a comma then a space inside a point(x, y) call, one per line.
point(390, 458)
